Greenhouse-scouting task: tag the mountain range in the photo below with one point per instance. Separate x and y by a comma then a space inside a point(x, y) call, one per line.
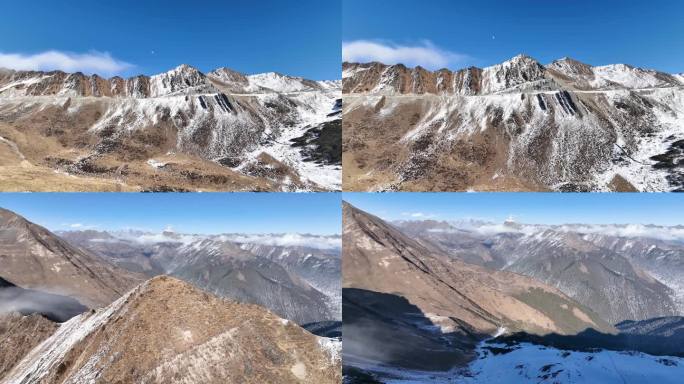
point(300, 283)
point(69, 314)
point(518, 125)
point(179, 130)
point(478, 301)
point(604, 270)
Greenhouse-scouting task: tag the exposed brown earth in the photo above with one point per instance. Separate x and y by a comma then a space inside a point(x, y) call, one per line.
point(395, 287)
point(166, 331)
point(380, 258)
point(19, 335)
point(34, 258)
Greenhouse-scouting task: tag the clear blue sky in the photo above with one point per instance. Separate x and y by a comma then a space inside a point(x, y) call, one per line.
point(317, 213)
point(531, 208)
point(299, 37)
point(638, 32)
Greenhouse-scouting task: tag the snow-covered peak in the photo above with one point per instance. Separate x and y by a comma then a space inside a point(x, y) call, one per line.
point(178, 79)
point(516, 61)
point(228, 75)
point(630, 77)
point(333, 85)
point(511, 73)
point(280, 83)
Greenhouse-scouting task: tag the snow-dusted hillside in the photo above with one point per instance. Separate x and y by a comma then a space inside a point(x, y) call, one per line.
point(528, 363)
point(524, 363)
point(517, 125)
point(224, 117)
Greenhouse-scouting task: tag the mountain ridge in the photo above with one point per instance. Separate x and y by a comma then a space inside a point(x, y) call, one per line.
point(227, 336)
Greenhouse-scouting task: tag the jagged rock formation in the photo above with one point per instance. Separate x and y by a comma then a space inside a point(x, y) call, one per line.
point(179, 130)
point(519, 125)
point(34, 258)
point(166, 331)
point(397, 289)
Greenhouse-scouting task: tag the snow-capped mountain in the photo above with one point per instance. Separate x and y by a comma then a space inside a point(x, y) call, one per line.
point(223, 130)
point(519, 125)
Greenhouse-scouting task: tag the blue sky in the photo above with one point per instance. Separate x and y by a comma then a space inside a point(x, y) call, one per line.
point(531, 208)
point(299, 38)
point(316, 213)
point(485, 32)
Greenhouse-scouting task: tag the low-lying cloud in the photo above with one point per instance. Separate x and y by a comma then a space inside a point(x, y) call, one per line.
point(425, 54)
point(617, 230)
point(91, 62)
point(26, 301)
point(289, 240)
point(631, 230)
point(279, 239)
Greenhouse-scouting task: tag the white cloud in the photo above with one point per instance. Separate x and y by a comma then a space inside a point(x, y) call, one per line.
point(425, 54)
point(285, 239)
point(631, 230)
point(91, 62)
point(288, 240)
point(418, 215)
point(75, 225)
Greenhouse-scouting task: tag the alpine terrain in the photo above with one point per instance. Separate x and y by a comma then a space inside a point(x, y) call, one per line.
point(515, 126)
point(481, 302)
point(175, 131)
point(295, 276)
point(98, 307)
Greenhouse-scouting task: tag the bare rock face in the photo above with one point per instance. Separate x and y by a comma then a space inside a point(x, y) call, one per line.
point(34, 258)
point(19, 334)
point(519, 125)
point(166, 331)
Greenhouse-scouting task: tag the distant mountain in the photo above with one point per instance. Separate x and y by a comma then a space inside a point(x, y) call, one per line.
point(298, 282)
point(178, 130)
point(518, 125)
point(34, 258)
point(396, 289)
point(166, 331)
point(594, 269)
point(662, 258)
